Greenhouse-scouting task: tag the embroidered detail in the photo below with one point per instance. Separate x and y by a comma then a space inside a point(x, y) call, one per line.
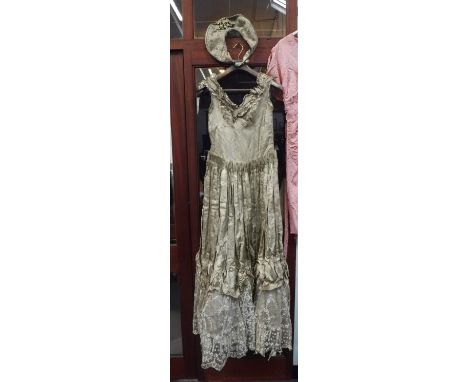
point(229, 327)
point(224, 23)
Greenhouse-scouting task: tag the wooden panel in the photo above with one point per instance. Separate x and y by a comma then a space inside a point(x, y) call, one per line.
point(177, 44)
point(182, 212)
point(177, 368)
point(192, 178)
point(291, 16)
point(187, 15)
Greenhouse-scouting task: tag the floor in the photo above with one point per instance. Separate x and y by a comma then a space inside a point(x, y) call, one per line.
point(196, 380)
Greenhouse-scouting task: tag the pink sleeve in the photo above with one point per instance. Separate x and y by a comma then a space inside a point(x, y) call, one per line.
point(274, 72)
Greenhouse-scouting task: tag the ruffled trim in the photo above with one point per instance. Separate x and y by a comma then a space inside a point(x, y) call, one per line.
point(271, 272)
point(232, 111)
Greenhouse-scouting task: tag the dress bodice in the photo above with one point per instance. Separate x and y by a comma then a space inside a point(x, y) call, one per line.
point(244, 132)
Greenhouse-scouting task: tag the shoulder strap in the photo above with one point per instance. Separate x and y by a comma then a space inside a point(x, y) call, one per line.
point(209, 84)
point(264, 80)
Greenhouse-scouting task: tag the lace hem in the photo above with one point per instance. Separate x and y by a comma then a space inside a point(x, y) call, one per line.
point(230, 327)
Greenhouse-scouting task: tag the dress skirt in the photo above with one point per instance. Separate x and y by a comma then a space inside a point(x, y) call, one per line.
point(242, 298)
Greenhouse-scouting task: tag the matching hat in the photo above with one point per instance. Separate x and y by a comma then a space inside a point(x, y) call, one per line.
point(215, 37)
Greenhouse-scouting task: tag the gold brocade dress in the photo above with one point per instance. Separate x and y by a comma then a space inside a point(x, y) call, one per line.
point(242, 296)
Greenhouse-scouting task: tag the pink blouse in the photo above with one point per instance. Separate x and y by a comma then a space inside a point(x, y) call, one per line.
point(282, 66)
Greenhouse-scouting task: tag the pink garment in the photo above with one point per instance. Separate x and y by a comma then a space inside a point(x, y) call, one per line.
point(282, 66)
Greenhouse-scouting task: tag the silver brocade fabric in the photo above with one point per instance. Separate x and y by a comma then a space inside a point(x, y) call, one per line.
point(242, 296)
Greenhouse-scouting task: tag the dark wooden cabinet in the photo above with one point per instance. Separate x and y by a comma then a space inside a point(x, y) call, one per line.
point(187, 55)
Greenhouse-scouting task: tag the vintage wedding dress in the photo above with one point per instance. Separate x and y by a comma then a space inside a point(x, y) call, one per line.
point(242, 297)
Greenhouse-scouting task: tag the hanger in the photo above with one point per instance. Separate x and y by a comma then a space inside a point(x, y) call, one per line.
point(239, 65)
point(245, 68)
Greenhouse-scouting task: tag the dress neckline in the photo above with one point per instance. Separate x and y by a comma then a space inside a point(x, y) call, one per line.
point(252, 92)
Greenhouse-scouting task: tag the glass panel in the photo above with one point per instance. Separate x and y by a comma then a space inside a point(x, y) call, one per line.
point(267, 16)
point(240, 80)
point(176, 329)
point(176, 19)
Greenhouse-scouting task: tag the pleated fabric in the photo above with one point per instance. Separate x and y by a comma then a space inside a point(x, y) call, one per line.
point(242, 296)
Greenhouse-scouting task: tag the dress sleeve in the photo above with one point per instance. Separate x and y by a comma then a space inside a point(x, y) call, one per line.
point(274, 72)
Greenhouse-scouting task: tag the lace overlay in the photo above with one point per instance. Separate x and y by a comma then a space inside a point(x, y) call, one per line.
point(241, 300)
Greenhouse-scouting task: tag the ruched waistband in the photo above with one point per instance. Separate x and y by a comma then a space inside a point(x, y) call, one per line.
point(268, 158)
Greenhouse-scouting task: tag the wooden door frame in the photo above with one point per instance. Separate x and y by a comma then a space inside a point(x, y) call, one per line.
point(181, 366)
point(195, 55)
